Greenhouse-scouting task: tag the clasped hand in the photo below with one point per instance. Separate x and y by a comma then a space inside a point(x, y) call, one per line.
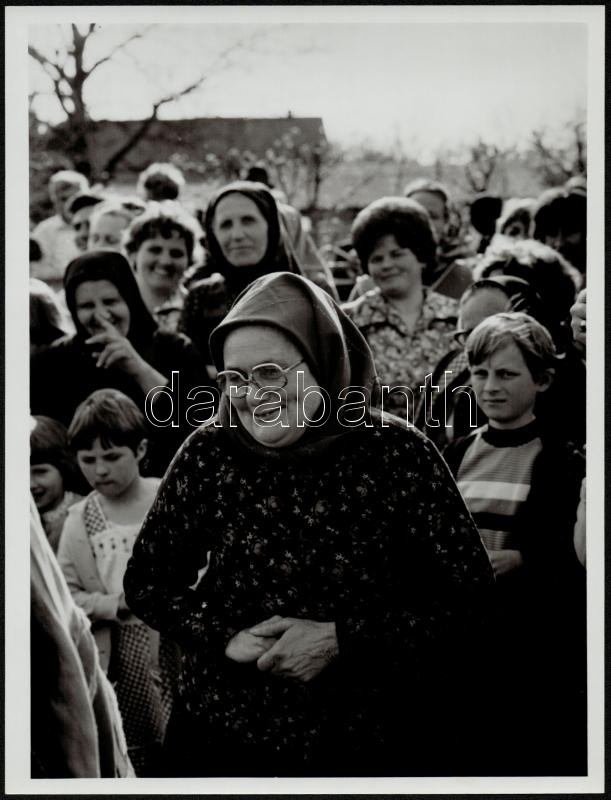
point(117, 350)
point(287, 647)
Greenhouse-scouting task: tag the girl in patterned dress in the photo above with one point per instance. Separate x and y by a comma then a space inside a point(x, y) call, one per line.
point(108, 435)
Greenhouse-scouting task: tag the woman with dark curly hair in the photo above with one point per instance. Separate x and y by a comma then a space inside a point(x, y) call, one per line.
point(407, 326)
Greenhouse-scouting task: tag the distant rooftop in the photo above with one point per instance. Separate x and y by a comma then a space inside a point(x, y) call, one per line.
point(195, 138)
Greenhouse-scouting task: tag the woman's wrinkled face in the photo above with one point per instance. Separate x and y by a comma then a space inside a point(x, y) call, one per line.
point(96, 299)
point(161, 261)
point(273, 418)
point(241, 230)
point(106, 232)
point(395, 269)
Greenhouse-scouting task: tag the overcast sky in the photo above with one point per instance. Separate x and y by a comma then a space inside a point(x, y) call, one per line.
point(427, 86)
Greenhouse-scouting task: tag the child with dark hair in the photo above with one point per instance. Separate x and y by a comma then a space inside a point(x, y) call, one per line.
point(55, 481)
point(522, 487)
point(160, 245)
point(108, 434)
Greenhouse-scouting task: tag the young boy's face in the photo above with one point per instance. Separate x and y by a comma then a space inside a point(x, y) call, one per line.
point(110, 470)
point(46, 485)
point(505, 389)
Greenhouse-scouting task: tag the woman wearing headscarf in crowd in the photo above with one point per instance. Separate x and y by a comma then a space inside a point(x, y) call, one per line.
point(563, 406)
point(317, 566)
point(448, 407)
point(560, 220)
point(244, 242)
point(295, 233)
point(117, 345)
point(160, 244)
point(407, 326)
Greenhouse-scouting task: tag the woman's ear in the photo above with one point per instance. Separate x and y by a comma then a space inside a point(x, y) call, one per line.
point(545, 380)
point(141, 450)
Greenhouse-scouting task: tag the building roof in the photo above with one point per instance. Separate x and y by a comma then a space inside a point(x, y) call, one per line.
point(193, 139)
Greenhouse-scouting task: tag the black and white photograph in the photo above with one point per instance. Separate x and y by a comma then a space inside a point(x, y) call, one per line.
point(305, 423)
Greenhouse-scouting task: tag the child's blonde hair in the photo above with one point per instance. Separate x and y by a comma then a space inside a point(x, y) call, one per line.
point(513, 327)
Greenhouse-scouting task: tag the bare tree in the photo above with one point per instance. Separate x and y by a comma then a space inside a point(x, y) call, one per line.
point(68, 72)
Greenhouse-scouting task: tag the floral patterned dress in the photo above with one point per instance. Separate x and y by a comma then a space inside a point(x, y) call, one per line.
point(140, 665)
point(369, 532)
point(403, 358)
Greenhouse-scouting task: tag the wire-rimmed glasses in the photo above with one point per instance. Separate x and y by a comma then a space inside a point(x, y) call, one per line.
point(234, 383)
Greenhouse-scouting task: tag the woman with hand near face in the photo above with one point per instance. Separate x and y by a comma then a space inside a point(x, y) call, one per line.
point(117, 345)
point(244, 242)
point(316, 564)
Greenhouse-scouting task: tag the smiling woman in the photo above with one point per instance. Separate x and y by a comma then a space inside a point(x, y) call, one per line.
point(160, 245)
point(117, 345)
point(407, 326)
point(346, 585)
point(244, 241)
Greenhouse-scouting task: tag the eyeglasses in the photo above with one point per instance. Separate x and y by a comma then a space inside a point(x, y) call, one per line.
point(266, 376)
point(460, 337)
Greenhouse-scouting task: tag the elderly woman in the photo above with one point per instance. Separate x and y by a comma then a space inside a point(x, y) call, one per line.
point(314, 561)
point(407, 326)
point(244, 241)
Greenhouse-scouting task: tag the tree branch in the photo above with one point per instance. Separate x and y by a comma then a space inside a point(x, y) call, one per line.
point(45, 63)
point(118, 48)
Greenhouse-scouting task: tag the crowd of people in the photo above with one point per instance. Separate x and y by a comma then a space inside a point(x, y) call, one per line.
point(296, 535)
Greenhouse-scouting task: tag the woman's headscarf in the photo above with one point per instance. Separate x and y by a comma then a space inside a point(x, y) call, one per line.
point(107, 265)
point(334, 348)
point(277, 255)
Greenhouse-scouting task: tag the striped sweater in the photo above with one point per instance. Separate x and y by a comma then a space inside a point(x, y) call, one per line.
point(494, 478)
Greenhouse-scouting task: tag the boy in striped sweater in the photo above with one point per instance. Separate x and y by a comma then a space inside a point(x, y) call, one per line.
point(522, 489)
